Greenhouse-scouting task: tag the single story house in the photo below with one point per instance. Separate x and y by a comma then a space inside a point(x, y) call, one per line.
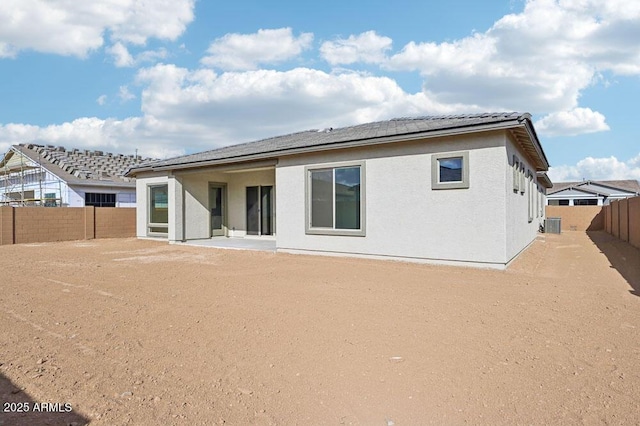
point(591, 192)
point(463, 189)
point(53, 176)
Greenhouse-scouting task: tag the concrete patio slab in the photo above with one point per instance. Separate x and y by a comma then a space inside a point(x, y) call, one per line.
point(259, 244)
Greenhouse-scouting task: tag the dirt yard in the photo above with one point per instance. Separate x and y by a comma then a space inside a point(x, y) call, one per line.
point(146, 333)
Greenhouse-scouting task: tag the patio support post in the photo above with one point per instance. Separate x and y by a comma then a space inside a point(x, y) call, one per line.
point(176, 215)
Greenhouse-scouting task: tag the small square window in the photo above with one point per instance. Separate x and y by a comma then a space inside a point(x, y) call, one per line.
point(450, 170)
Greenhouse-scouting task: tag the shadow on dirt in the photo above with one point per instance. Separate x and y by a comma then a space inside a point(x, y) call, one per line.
point(623, 257)
point(19, 408)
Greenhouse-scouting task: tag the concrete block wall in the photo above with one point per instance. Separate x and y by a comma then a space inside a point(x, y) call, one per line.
point(6, 225)
point(615, 219)
point(622, 220)
point(578, 218)
point(35, 225)
point(634, 221)
point(20, 225)
point(114, 222)
point(623, 211)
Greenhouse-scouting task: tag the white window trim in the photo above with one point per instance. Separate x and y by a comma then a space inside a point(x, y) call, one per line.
point(435, 170)
point(309, 230)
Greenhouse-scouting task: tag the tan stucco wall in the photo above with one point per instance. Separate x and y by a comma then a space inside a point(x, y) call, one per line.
point(520, 232)
point(142, 198)
point(405, 217)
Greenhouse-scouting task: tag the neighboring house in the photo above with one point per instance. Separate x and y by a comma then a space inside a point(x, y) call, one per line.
point(456, 189)
point(52, 176)
point(591, 192)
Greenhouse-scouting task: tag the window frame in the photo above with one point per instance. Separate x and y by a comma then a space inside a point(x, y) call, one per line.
point(151, 225)
point(516, 174)
point(309, 230)
point(531, 200)
point(435, 170)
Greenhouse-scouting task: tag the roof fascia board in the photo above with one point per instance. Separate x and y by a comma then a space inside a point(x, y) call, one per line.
point(586, 191)
point(229, 167)
point(536, 142)
point(342, 145)
point(543, 178)
point(615, 188)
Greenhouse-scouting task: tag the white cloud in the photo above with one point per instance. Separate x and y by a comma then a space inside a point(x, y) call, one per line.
point(247, 51)
point(121, 136)
point(204, 110)
point(239, 106)
point(151, 56)
point(539, 60)
point(570, 123)
point(124, 94)
point(597, 169)
point(367, 47)
point(77, 28)
point(122, 58)
point(102, 99)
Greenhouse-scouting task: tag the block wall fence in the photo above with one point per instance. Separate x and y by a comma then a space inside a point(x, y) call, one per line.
point(622, 220)
point(578, 218)
point(20, 225)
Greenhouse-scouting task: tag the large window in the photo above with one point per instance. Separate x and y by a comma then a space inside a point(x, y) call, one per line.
point(335, 200)
point(99, 200)
point(450, 170)
point(158, 210)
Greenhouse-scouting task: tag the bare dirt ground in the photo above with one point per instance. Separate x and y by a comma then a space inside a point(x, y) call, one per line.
point(142, 332)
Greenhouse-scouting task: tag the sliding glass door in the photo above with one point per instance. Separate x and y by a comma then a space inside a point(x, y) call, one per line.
point(259, 210)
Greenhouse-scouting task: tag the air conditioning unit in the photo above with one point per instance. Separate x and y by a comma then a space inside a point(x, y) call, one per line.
point(552, 225)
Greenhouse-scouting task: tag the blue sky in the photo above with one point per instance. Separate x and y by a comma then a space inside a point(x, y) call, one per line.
point(168, 77)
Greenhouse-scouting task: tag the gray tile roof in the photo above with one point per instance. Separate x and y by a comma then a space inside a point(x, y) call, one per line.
point(83, 167)
point(369, 133)
point(628, 185)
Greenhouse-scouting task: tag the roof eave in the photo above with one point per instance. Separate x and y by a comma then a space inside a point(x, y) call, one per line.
point(454, 131)
point(544, 179)
point(531, 143)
